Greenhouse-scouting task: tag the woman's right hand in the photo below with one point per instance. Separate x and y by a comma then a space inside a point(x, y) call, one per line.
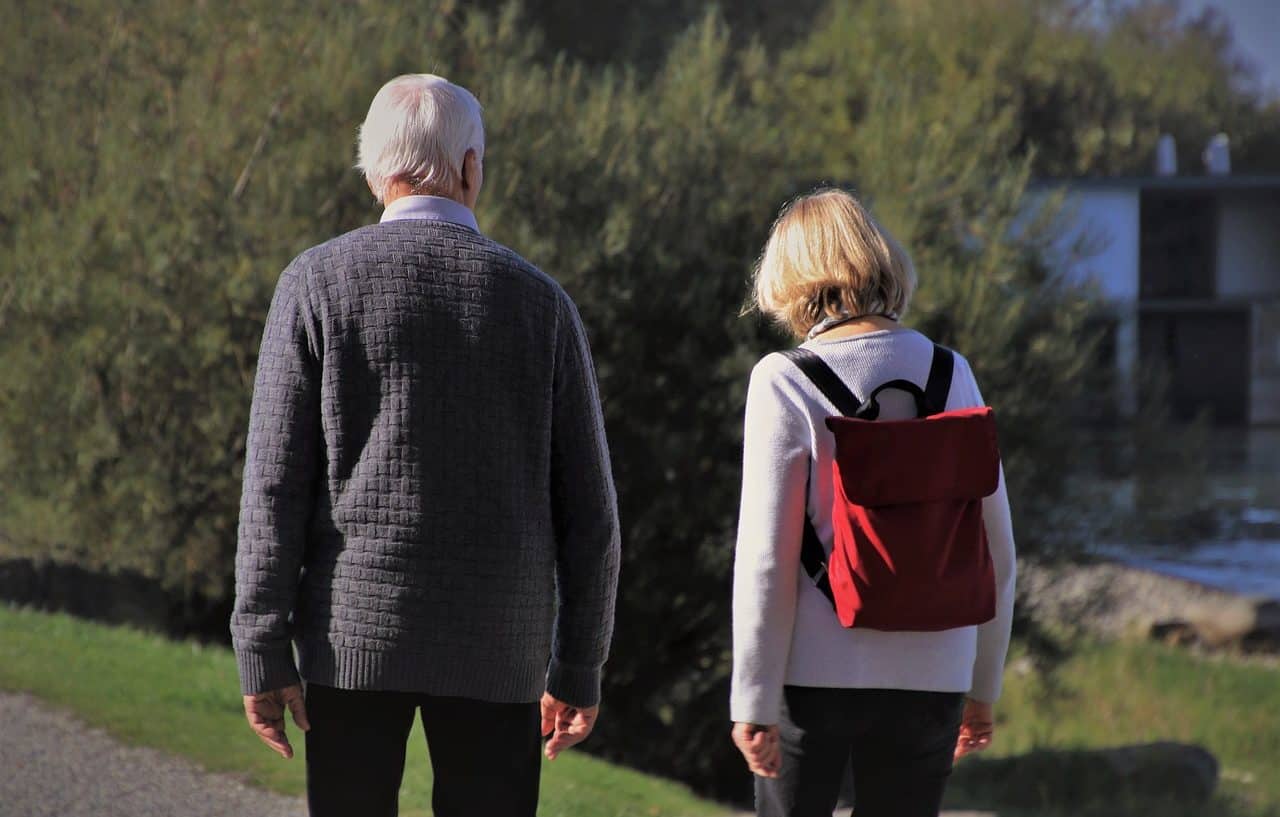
point(977, 725)
point(760, 746)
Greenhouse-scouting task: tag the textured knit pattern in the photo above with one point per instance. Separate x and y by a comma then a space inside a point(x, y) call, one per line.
point(427, 503)
point(784, 630)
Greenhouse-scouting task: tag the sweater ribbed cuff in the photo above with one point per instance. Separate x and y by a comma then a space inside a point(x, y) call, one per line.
point(575, 684)
point(262, 670)
point(986, 689)
point(751, 704)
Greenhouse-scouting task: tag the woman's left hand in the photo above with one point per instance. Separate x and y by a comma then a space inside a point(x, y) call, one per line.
point(977, 727)
point(760, 746)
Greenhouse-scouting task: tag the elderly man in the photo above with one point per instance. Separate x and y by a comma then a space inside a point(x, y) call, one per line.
point(428, 513)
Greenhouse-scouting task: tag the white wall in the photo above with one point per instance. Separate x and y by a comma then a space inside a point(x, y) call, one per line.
point(1265, 382)
point(1248, 245)
point(1100, 244)
point(1101, 241)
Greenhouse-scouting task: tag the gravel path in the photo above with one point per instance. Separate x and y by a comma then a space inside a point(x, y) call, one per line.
point(51, 765)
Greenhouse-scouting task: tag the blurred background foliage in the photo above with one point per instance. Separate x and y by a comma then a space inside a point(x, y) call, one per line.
point(160, 163)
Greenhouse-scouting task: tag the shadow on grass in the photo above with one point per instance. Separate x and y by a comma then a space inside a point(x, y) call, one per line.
point(1154, 780)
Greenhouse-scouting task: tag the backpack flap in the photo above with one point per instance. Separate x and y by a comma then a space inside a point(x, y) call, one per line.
point(946, 456)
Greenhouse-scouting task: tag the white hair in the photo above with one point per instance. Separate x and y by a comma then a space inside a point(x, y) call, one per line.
point(419, 129)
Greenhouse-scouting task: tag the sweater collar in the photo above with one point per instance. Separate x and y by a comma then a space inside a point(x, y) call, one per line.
point(436, 208)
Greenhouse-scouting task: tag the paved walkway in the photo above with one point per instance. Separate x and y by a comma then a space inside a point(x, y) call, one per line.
point(51, 765)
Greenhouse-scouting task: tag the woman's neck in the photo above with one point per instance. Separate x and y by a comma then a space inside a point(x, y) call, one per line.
point(859, 326)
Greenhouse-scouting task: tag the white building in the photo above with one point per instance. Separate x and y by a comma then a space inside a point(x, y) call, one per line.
point(1191, 265)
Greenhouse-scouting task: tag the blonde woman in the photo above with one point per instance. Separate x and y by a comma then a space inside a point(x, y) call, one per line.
point(809, 696)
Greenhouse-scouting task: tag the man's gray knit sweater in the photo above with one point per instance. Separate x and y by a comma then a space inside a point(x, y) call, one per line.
point(427, 504)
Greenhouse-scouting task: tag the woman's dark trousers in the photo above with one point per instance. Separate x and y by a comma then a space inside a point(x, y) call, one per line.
point(900, 744)
point(485, 757)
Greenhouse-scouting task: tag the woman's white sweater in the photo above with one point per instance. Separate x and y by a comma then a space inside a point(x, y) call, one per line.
point(784, 629)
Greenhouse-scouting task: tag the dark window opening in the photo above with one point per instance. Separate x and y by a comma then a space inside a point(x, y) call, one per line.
point(1179, 245)
point(1202, 358)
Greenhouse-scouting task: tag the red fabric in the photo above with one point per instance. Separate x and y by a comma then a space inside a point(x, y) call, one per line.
point(910, 545)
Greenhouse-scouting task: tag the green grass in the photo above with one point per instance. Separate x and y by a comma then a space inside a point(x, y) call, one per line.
point(183, 698)
point(1110, 694)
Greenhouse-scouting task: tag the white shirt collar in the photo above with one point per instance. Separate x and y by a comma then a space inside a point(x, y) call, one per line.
point(436, 208)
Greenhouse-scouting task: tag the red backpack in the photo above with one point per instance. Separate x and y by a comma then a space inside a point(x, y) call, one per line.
point(910, 548)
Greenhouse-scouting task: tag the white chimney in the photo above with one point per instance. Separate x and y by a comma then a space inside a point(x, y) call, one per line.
point(1217, 156)
point(1166, 156)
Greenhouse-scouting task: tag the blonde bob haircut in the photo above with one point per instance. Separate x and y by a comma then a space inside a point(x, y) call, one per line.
point(827, 257)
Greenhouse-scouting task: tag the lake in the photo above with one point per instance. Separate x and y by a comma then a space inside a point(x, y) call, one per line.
point(1243, 480)
point(1250, 566)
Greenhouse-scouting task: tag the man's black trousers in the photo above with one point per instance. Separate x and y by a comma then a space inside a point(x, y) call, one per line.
point(485, 757)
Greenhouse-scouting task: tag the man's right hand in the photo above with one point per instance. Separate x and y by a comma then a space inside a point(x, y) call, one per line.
point(567, 725)
point(265, 713)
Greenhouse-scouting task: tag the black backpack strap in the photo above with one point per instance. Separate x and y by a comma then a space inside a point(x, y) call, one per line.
point(938, 386)
point(827, 381)
point(870, 410)
point(813, 556)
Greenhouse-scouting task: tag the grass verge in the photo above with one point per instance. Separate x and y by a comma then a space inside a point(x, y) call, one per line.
point(183, 698)
point(1113, 694)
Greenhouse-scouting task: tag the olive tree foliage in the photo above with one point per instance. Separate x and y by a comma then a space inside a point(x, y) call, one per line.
point(604, 32)
point(117, 450)
point(1095, 82)
point(1099, 83)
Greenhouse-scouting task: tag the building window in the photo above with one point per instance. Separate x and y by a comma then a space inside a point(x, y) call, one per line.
point(1179, 238)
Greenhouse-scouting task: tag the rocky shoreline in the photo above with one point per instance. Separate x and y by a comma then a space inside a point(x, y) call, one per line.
point(1115, 600)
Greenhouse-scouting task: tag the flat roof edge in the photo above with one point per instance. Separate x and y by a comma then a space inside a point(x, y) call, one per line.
point(1140, 183)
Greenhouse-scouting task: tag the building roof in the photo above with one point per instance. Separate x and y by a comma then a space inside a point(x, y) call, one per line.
point(1203, 183)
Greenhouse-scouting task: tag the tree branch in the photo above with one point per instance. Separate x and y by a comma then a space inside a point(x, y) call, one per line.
point(272, 116)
